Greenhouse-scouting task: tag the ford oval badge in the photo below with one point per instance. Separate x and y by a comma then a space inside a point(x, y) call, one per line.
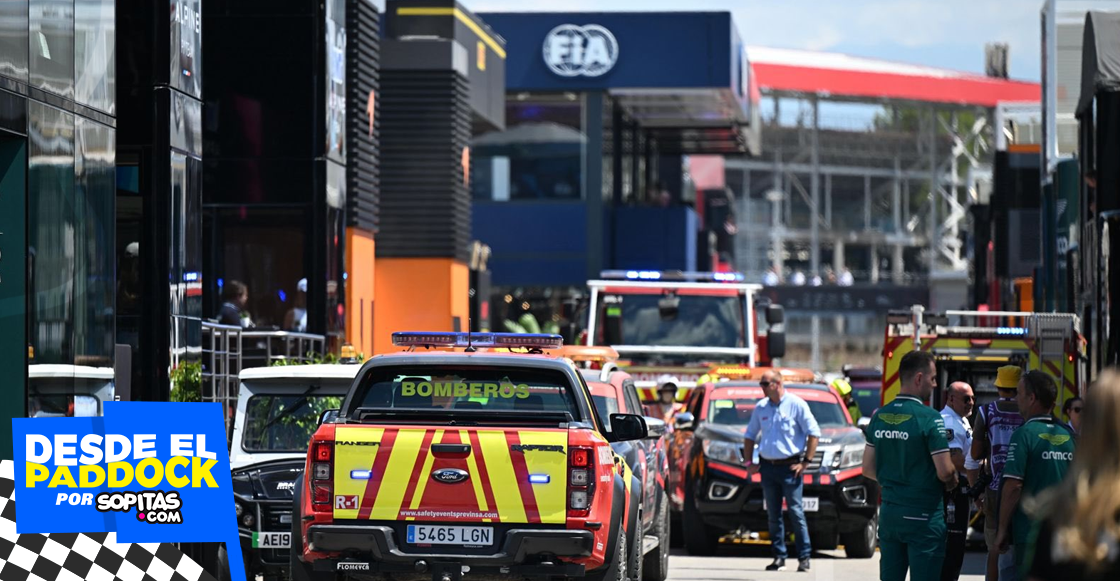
point(450, 475)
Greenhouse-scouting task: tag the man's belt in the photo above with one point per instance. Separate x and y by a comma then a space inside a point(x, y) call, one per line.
point(783, 462)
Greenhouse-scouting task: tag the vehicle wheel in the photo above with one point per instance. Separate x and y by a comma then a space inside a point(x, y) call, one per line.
point(656, 565)
point(221, 564)
point(298, 570)
point(636, 545)
point(699, 539)
point(826, 541)
point(861, 545)
point(616, 571)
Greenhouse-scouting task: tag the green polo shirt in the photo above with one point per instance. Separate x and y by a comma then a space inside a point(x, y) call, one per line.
point(906, 434)
point(1039, 455)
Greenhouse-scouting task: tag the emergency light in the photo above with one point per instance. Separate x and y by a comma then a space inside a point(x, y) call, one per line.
point(1010, 331)
point(671, 275)
point(504, 340)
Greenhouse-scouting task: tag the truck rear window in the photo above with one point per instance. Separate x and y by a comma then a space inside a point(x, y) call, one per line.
point(502, 390)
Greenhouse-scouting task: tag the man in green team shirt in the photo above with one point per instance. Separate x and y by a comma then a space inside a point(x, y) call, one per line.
point(1039, 456)
point(908, 455)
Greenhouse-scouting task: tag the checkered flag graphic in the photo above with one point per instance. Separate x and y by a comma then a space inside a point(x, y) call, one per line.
point(77, 556)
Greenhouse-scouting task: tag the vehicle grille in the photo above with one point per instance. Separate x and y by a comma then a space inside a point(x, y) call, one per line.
point(815, 465)
point(275, 517)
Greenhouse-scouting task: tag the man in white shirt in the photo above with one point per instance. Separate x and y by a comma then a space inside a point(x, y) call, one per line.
point(959, 400)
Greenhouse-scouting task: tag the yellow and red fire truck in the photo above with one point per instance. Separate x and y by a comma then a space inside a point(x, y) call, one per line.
point(971, 345)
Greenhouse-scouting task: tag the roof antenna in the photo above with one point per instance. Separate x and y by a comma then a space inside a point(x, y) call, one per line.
point(470, 348)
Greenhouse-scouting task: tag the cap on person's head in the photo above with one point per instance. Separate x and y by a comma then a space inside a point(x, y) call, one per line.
point(667, 383)
point(841, 386)
point(1008, 377)
point(301, 286)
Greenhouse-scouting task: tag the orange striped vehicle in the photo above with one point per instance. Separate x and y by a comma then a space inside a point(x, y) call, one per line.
point(443, 460)
point(971, 345)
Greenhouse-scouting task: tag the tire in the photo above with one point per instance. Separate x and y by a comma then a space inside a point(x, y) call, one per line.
point(616, 571)
point(298, 570)
point(861, 545)
point(656, 565)
point(699, 539)
point(221, 564)
point(635, 544)
point(676, 530)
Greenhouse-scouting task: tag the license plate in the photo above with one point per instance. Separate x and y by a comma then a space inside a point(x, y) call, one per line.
point(272, 540)
point(808, 504)
point(441, 535)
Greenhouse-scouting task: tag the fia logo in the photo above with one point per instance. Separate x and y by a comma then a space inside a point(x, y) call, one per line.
point(573, 51)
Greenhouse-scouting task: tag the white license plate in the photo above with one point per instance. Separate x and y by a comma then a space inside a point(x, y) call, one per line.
point(272, 540)
point(444, 535)
point(808, 504)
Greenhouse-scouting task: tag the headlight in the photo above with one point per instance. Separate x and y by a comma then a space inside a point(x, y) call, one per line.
point(238, 509)
point(851, 458)
point(723, 451)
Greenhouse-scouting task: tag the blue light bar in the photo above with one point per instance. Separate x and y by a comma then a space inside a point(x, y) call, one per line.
point(510, 340)
point(361, 474)
point(539, 478)
point(1010, 331)
point(671, 275)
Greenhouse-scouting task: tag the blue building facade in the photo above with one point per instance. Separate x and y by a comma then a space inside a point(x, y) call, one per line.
point(602, 112)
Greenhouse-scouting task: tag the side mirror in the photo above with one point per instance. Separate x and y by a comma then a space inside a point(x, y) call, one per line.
point(776, 344)
point(627, 427)
point(863, 422)
point(684, 421)
point(655, 428)
point(328, 416)
point(775, 314)
point(668, 307)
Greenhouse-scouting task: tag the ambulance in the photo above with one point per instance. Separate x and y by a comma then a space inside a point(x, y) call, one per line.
point(971, 345)
point(455, 459)
point(680, 324)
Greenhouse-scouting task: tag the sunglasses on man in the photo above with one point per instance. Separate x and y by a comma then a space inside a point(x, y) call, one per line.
point(1075, 409)
point(766, 383)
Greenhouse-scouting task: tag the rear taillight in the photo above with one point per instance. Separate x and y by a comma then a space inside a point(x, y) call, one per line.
point(321, 469)
point(581, 480)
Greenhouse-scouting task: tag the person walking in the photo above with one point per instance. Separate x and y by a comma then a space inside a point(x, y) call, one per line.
point(958, 406)
point(908, 455)
point(991, 435)
point(1038, 458)
point(786, 433)
point(1078, 536)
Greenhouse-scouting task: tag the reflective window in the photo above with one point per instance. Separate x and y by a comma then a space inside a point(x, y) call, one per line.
point(186, 45)
point(95, 41)
point(13, 39)
point(538, 156)
point(52, 236)
point(94, 221)
point(51, 46)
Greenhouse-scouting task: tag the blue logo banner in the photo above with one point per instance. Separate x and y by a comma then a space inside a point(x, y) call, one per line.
point(152, 472)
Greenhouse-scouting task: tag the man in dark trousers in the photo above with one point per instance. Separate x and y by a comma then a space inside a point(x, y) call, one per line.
point(787, 435)
point(958, 406)
point(908, 455)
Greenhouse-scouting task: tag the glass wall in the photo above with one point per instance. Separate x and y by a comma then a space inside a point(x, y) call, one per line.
point(51, 46)
point(540, 154)
point(95, 61)
point(13, 39)
point(94, 220)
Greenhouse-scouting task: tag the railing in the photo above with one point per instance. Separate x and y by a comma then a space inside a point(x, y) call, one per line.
point(226, 350)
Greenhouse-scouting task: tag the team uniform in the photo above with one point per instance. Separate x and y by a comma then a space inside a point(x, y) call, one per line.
point(1039, 455)
point(906, 435)
point(999, 426)
point(958, 432)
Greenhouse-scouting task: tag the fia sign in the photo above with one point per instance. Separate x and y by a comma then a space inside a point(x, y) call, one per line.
point(574, 51)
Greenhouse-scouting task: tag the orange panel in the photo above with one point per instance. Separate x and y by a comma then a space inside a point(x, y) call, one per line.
point(359, 290)
point(418, 294)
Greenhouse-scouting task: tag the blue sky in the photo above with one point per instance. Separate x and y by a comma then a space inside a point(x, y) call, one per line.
point(942, 33)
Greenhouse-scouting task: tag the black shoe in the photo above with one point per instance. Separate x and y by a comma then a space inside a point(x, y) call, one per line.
point(777, 565)
point(803, 565)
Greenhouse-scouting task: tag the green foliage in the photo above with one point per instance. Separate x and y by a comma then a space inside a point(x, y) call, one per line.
point(527, 323)
point(186, 382)
point(313, 359)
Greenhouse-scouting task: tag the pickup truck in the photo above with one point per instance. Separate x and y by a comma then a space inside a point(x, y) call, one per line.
point(442, 462)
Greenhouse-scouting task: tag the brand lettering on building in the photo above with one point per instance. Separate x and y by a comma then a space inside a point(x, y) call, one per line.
point(580, 51)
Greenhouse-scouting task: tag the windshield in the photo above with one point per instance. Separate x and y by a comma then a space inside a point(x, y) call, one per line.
point(605, 406)
point(284, 423)
point(698, 320)
point(510, 389)
point(867, 397)
point(62, 406)
point(737, 412)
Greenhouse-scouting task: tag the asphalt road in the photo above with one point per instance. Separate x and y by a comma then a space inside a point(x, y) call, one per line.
point(748, 562)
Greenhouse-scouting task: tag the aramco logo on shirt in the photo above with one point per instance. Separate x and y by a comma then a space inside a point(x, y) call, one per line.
point(573, 51)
